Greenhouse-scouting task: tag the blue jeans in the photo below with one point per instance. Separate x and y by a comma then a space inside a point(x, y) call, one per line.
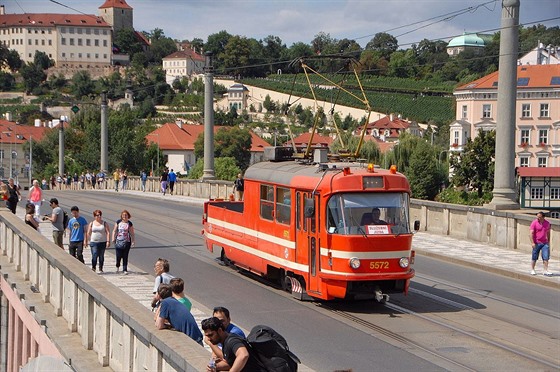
point(545, 251)
point(97, 252)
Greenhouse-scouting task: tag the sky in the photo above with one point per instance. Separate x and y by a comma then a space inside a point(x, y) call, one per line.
point(300, 21)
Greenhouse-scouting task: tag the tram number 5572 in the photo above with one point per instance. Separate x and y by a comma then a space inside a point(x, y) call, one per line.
point(379, 265)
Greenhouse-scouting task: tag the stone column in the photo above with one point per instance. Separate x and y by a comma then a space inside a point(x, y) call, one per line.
point(104, 164)
point(208, 172)
point(504, 194)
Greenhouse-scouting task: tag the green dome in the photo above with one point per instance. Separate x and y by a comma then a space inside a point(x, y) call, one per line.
point(472, 40)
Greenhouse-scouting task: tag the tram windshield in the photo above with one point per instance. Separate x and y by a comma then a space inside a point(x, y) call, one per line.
point(368, 214)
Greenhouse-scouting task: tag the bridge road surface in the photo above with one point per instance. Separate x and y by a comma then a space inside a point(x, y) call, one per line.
point(172, 230)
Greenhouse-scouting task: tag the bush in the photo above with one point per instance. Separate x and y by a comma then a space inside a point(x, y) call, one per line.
point(463, 197)
point(224, 168)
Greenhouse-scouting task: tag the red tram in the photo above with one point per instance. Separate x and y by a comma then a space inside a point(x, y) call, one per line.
point(324, 230)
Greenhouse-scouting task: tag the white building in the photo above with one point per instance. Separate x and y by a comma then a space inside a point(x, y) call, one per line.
point(71, 40)
point(184, 63)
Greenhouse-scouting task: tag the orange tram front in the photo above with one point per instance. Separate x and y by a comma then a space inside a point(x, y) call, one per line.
point(322, 230)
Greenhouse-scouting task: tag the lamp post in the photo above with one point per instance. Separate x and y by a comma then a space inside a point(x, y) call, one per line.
point(30, 160)
point(157, 160)
point(61, 145)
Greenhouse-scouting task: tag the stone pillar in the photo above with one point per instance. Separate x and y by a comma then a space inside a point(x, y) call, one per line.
point(208, 172)
point(104, 164)
point(505, 193)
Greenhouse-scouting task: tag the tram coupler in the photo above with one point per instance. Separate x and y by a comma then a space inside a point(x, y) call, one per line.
point(381, 297)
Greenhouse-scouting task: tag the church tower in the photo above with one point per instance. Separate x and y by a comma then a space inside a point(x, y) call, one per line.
point(117, 13)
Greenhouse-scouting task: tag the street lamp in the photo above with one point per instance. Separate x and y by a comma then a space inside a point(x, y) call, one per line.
point(61, 145)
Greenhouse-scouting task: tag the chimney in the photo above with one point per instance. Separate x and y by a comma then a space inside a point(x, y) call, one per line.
point(179, 123)
point(390, 117)
point(2, 10)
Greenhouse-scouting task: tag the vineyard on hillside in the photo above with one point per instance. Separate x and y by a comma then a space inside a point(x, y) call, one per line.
point(416, 100)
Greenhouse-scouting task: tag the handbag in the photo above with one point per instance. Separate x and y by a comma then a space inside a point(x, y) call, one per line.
point(120, 244)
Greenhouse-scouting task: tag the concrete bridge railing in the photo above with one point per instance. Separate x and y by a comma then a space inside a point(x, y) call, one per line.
point(92, 323)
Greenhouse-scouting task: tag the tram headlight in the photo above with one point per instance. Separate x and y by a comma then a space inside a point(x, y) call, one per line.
point(354, 263)
point(404, 262)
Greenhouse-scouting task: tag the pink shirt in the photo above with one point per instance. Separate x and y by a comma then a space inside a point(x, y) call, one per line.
point(540, 231)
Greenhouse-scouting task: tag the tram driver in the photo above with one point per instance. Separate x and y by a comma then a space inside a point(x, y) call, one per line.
point(373, 218)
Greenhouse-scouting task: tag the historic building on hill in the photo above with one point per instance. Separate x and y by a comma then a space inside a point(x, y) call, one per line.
point(72, 40)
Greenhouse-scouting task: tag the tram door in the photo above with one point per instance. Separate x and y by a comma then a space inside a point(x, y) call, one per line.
point(307, 226)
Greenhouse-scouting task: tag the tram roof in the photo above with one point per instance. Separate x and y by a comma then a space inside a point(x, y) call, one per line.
point(284, 172)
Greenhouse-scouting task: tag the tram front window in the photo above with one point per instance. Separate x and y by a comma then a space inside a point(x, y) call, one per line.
point(368, 214)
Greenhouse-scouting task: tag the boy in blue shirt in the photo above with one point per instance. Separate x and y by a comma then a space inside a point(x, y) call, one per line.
point(77, 226)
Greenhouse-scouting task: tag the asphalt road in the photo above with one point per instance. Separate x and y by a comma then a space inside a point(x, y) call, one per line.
point(362, 336)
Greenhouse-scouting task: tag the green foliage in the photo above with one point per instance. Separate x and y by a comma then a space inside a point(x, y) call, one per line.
point(228, 142)
point(453, 196)
point(82, 84)
point(424, 175)
point(7, 81)
point(224, 169)
point(42, 60)
point(33, 76)
point(474, 166)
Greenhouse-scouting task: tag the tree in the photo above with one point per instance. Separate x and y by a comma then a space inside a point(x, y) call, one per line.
point(33, 76)
point(82, 84)
point(236, 54)
point(424, 175)
point(7, 81)
point(384, 43)
point(229, 142)
point(273, 49)
point(224, 169)
point(474, 166)
point(322, 43)
point(126, 42)
point(42, 60)
point(216, 43)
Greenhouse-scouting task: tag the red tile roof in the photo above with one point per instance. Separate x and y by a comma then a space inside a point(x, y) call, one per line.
point(318, 140)
point(534, 76)
point(21, 133)
point(170, 137)
point(51, 19)
point(121, 4)
point(183, 54)
point(539, 172)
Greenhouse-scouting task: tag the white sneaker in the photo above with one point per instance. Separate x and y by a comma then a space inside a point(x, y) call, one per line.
point(547, 273)
point(533, 272)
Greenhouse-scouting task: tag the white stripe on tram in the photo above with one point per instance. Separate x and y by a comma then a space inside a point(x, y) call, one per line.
point(365, 255)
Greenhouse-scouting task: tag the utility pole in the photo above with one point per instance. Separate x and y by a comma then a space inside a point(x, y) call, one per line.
point(30, 160)
point(104, 164)
point(504, 194)
point(61, 145)
point(208, 172)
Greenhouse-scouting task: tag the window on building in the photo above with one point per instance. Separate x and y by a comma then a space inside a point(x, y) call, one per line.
point(88, 42)
point(464, 112)
point(71, 30)
point(537, 192)
point(96, 42)
point(63, 30)
point(486, 111)
point(96, 31)
point(79, 30)
point(526, 110)
point(456, 137)
point(50, 42)
point(525, 135)
point(524, 161)
point(71, 41)
point(79, 55)
point(30, 42)
point(63, 55)
point(30, 55)
point(88, 31)
point(554, 214)
point(96, 55)
point(71, 55)
point(104, 43)
point(36, 41)
point(63, 41)
point(88, 56)
point(80, 42)
point(43, 42)
point(555, 193)
point(104, 56)
point(104, 32)
point(544, 111)
point(543, 136)
point(541, 162)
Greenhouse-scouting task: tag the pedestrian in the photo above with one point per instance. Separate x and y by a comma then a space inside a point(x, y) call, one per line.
point(99, 237)
point(116, 178)
point(177, 288)
point(14, 196)
point(172, 313)
point(163, 179)
point(57, 220)
point(30, 216)
point(77, 226)
point(540, 239)
point(124, 239)
point(53, 182)
point(222, 313)
point(93, 180)
point(239, 186)
point(100, 180)
point(124, 177)
point(172, 177)
point(82, 181)
point(44, 185)
point(35, 197)
point(88, 179)
point(237, 355)
point(161, 269)
point(143, 178)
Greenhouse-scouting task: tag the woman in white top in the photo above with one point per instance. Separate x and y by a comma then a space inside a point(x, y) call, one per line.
point(98, 235)
point(35, 197)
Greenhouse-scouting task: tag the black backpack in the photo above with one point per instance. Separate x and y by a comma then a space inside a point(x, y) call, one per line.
point(271, 350)
point(65, 219)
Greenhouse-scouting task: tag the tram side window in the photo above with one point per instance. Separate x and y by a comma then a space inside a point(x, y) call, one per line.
point(267, 202)
point(283, 205)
